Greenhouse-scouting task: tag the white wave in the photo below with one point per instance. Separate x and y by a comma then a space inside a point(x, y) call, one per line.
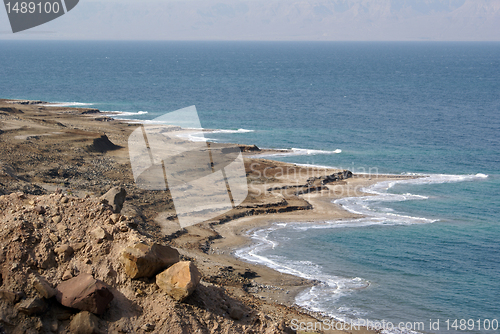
point(125, 113)
point(230, 131)
point(424, 179)
point(378, 193)
point(305, 269)
point(295, 152)
point(142, 121)
point(331, 286)
point(318, 166)
point(68, 104)
point(358, 222)
point(197, 136)
point(302, 151)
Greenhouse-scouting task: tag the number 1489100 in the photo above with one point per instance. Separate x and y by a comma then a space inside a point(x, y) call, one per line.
point(472, 324)
point(32, 7)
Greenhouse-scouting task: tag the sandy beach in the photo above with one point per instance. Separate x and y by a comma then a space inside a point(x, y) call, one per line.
point(83, 153)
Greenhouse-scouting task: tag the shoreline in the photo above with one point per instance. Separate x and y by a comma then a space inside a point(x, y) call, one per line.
point(235, 234)
point(74, 138)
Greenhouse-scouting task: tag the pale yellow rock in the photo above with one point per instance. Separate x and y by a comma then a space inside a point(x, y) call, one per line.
point(145, 260)
point(100, 234)
point(67, 275)
point(115, 218)
point(180, 280)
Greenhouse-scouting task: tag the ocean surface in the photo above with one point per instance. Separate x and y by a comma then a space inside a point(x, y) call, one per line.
point(426, 249)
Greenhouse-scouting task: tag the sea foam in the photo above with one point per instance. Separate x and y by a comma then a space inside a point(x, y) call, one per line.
point(332, 286)
point(296, 152)
point(124, 113)
point(68, 104)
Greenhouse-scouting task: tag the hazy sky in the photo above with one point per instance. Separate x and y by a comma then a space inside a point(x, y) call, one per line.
point(315, 20)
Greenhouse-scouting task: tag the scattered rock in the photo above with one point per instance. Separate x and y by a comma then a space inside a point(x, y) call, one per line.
point(148, 327)
point(123, 227)
point(115, 218)
point(77, 246)
point(53, 237)
point(84, 323)
point(100, 234)
point(66, 275)
point(32, 306)
point(84, 293)
point(10, 296)
point(143, 260)
point(57, 219)
point(61, 227)
point(115, 197)
point(180, 280)
point(236, 313)
point(40, 209)
point(64, 252)
point(43, 287)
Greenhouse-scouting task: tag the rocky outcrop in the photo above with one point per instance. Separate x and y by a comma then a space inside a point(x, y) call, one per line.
point(84, 293)
point(322, 180)
point(143, 260)
point(90, 111)
point(25, 102)
point(240, 148)
point(115, 197)
point(103, 144)
point(180, 280)
point(11, 111)
point(249, 148)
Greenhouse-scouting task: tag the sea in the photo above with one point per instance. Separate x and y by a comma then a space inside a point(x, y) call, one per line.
point(426, 250)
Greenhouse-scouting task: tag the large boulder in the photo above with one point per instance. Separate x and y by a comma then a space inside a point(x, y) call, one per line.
point(84, 293)
point(143, 260)
point(84, 323)
point(180, 280)
point(115, 197)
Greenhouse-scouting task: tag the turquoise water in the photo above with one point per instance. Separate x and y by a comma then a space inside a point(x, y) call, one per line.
point(427, 249)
